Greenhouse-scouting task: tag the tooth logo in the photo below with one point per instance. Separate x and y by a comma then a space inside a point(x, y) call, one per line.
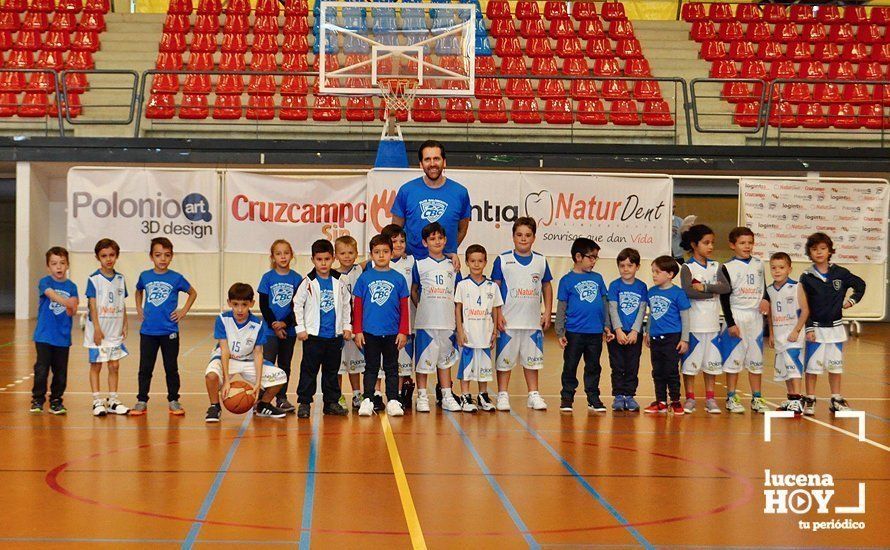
point(629, 302)
point(587, 291)
point(380, 291)
point(282, 294)
point(432, 209)
point(539, 206)
point(157, 292)
point(659, 306)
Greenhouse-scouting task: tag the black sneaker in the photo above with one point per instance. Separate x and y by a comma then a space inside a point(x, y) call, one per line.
point(406, 394)
point(57, 408)
point(213, 412)
point(839, 405)
point(356, 402)
point(594, 404)
point(268, 410)
point(285, 405)
point(377, 400)
point(335, 409)
point(36, 407)
point(485, 402)
point(565, 405)
point(303, 411)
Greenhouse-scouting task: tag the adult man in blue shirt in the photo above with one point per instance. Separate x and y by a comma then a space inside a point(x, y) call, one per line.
point(432, 198)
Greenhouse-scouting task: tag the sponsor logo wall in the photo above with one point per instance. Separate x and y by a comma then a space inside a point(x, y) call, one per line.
point(133, 206)
point(784, 213)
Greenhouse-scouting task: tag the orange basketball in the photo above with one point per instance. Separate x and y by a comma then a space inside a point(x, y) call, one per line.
point(240, 397)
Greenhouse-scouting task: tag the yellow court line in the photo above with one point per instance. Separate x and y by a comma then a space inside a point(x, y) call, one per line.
point(417, 540)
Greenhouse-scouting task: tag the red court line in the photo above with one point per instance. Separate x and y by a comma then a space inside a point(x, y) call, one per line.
point(53, 481)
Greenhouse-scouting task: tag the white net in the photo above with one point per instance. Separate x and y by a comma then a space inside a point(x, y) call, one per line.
point(398, 92)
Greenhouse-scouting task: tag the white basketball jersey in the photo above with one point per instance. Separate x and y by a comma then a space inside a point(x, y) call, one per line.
point(477, 301)
point(405, 266)
point(785, 314)
point(110, 307)
point(746, 278)
point(436, 278)
point(704, 316)
point(522, 290)
point(349, 278)
point(242, 340)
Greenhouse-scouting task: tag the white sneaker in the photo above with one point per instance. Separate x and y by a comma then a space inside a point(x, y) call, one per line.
point(485, 403)
point(423, 403)
point(449, 403)
point(393, 408)
point(503, 401)
point(734, 404)
point(99, 408)
point(536, 402)
point(116, 407)
point(467, 404)
point(366, 408)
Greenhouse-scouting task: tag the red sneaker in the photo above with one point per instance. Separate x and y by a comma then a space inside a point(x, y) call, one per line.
point(656, 407)
point(677, 408)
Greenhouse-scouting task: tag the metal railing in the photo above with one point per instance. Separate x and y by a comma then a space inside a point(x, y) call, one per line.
point(133, 89)
point(52, 95)
point(697, 112)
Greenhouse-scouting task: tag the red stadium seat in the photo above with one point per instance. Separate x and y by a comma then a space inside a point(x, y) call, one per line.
point(492, 111)
point(814, 32)
point(172, 42)
point(498, 9)
point(326, 108)
point(426, 109)
point(261, 62)
point(720, 12)
point(295, 43)
point(843, 116)
point(827, 93)
point(624, 113)
point(841, 70)
point(20, 59)
point(227, 107)
point(599, 48)
point(583, 89)
point(236, 23)
point(803, 13)
point(459, 110)
point(264, 43)
point(621, 28)
point(713, 50)
point(558, 111)
point(782, 114)
point(84, 60)
point(527, 9)
point(799, 51)
point(15, 6)
point(723, 69)
point(741, 50)
point(265, 24)
point(555, 10)
point(880, 15)
point(209, 7)
point(35, 21)
point(615, 90)
point(748, 13)
point(692, 12)
point(200, 62)
point(293, 107)
point(657, 113)
point(8, 104)
point(194, 107)
point(612, 11)
point(183, 7)
point(529, 28)
point(501, 28)
point(870, 70)
point(207, 23)
point(361, 109)
point(508, 46)
point(856, 93)
point(33, 105)
point(88, 22)
point(48, 59)
point(796, 92)
point(518, 88)
point(267, 7)
point(872, 116)
point(569, 47)
point(41, 82)
point(829, 14)
point(855, 52)
point(881, 53)
point(234, 43)
point(202, 43)
point(60, 41)
point(869, 34)
point(487, 88)
point(782, 69)
point(812, 70)
point(575, 66)
point(514, 65)
point(164, 84)
point(160, 106)
point(238, 7)
point(591, 112)
point(260, 107)
point(584, 11)
point(45, 6)
point(97, 6)
point(294, 62)
point(703, 30)
point(786, 32)
point(28, 41)
point(551, 88)
point(538, 47)
point(230, 84)
point(646, 90)
point(525, 111)
point(812, 115)
point(294, 85)
point(775, 13)
point(562, 28)
point(197, 84)
point(841, 33)
point(177, 23)
point(736, 92)
point(731, 31)
point(71, 106)
point(76, 82)
point(295, 25)
point(747, 114)
point(827, 52)
point(758, 32)
point(629, 48)
point(544, 66)
point(9, 21)
point(855, 14)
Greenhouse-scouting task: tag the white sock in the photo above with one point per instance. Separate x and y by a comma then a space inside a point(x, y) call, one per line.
point(112, 395)
point(531, 393)
point(421, 392)
point(500, 393)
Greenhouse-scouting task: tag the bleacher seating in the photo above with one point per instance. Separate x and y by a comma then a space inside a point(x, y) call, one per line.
point(47, 36)
point(547, 49)
point(775, 41)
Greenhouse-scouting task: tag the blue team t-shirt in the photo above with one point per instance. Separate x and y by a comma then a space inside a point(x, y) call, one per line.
point(584, 294)
point(664, 310)
point(381, 293)
point(327, 316)
point(419, 206)
point(629, 297)
point(53, 323)
point(280, 289)
point(161, 298)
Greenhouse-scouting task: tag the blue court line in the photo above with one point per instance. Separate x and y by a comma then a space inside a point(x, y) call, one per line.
point(511, 510)
point(189, 541)
point(587, 486)
point(309, 493)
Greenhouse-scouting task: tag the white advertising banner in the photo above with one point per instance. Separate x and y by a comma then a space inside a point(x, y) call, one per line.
point(615, 211)
point(783, 214)
point(134, 205)
point(263, 207)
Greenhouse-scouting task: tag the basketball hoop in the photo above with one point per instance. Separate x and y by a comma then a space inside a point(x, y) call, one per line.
point(398, 92)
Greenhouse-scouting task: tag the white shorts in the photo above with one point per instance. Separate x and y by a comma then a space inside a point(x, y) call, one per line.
point(745, 352)
point(524, 347)
point(475, 365)
point(352, 360)
point(825, 356)
point(789, 364)
point(703, 354)
point(406, 359)
point(108, 353)
point(272, 375)
point(434, 349)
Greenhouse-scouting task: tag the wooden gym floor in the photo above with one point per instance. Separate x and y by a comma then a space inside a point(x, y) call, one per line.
point(504, 480)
